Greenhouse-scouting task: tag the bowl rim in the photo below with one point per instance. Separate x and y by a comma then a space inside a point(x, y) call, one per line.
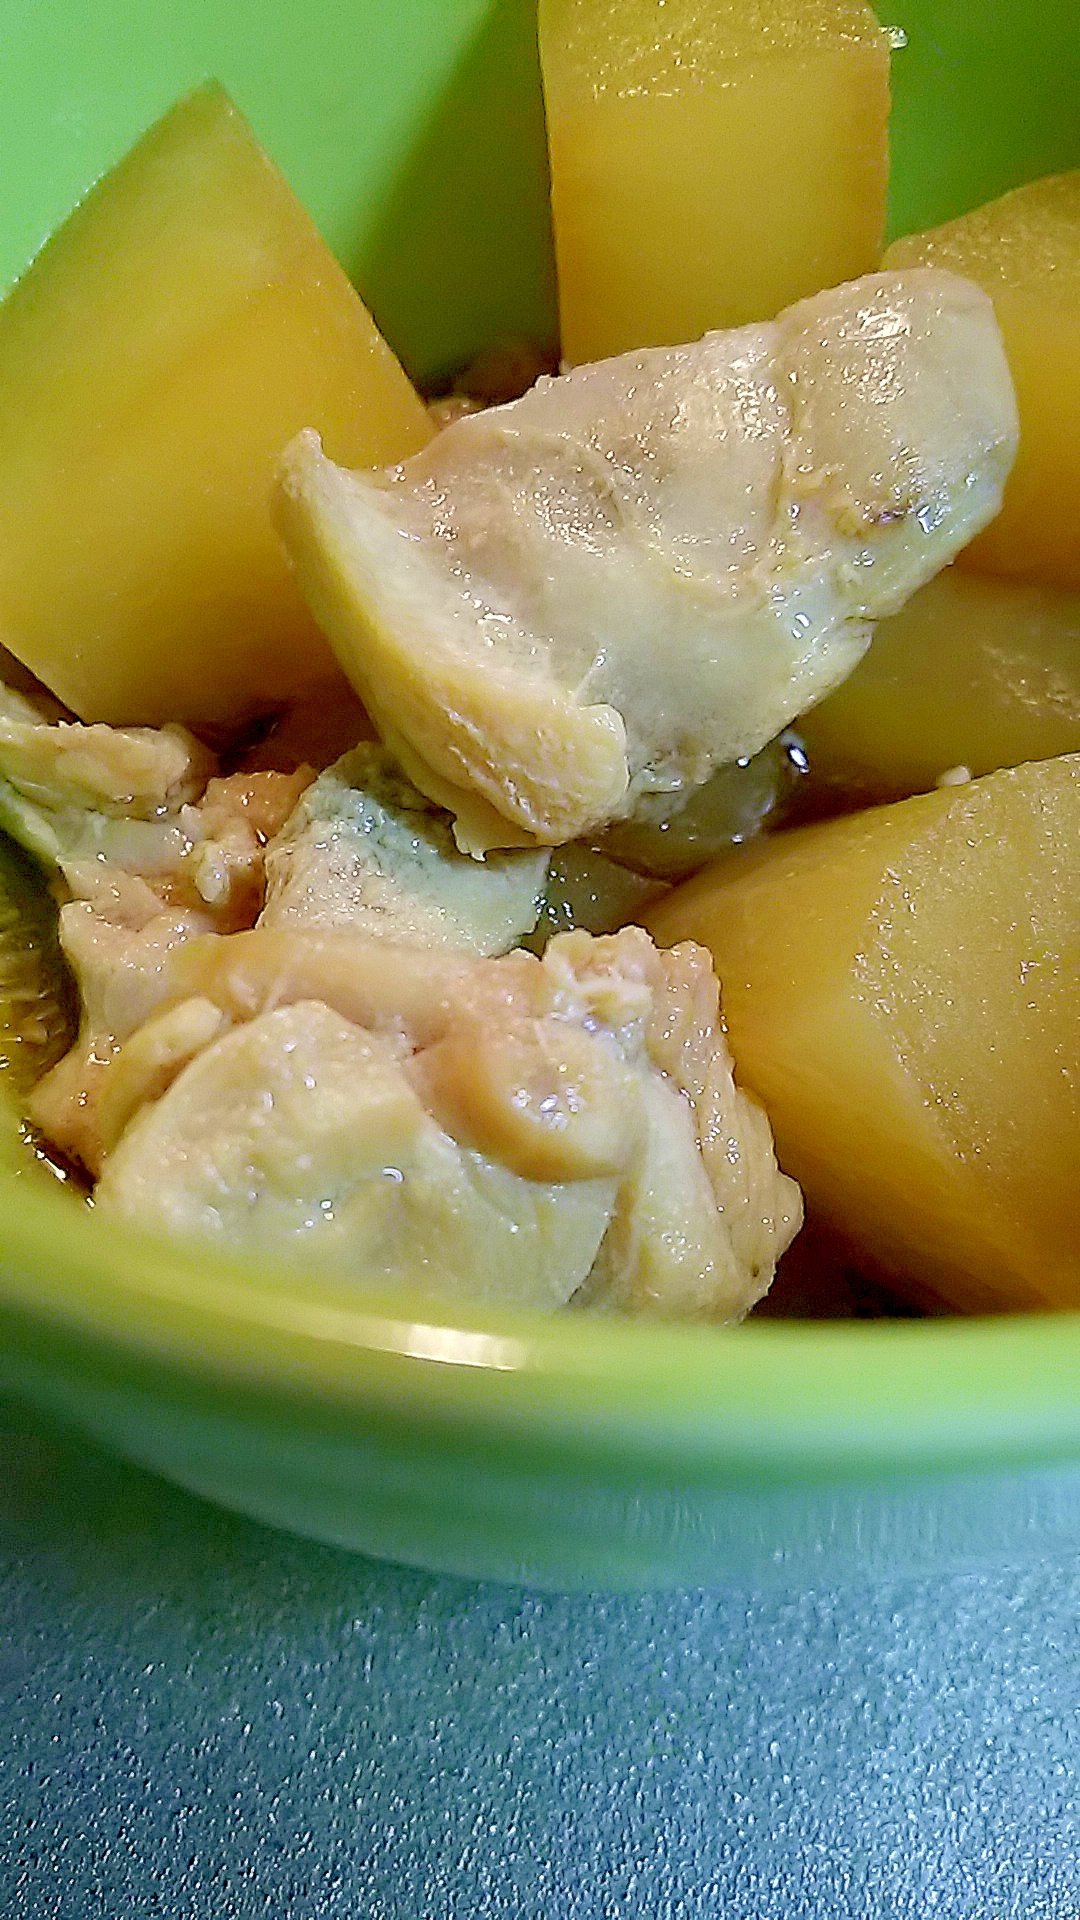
point(771, 1401)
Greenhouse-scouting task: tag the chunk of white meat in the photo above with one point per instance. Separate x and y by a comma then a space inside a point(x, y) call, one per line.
point(120, 969)
point(703, 1213)
point(148, 1062)
point(127, 773)
point(207, 855)
point(299, 1134)
point(229, 833)
point(107, 801)
point(365, 850)
point(646, 568)
point(374, 983)
point(141, 889)
point(603, 1065)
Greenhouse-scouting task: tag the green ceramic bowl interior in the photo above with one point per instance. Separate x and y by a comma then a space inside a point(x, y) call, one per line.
point(414, 133)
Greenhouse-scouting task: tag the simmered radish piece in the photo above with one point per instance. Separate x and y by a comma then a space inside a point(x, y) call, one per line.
point(901, 990)
point(182, 325)
point(645, 569)
point(1024, 249)
point(976, 671)
point(709, 165)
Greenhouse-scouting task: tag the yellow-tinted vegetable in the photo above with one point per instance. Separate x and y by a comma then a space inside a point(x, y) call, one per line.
point(154, 360)
point(1024, 249)
point(901, 991)
point(976, 671)
point(710, 164)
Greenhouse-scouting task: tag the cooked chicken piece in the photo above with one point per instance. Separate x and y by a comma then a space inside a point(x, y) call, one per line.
point(149, 1062)
point(139, 801)
point(374, 983)
point(120, 969)
point(703, 1212)
point(230, 832)
point(363, 850)
point(300, 1134)
point(128, 773)
point(513, 1125)
point(646, 568)
point(141, 888)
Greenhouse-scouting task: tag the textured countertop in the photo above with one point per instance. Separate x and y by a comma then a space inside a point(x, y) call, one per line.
point(203, 1718)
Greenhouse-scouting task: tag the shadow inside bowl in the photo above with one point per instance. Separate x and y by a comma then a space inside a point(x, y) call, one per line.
point(461, 253)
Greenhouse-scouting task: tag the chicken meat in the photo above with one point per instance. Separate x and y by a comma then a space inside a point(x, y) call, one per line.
point(644, 569)
point(512, 1130)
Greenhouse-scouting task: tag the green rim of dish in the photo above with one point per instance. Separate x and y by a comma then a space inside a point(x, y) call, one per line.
point(767, 1401)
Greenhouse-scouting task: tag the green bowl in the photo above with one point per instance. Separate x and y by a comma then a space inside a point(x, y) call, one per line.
point(567, 1451)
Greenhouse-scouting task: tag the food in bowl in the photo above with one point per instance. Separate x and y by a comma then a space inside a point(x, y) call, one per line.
point(710, 165)
point(176, 330)
point(572, 1113)
point(900, 990)
point(1022, 249)
point(645, 569)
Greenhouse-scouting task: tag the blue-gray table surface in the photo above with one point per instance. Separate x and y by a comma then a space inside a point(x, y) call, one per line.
point(205, 1718)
